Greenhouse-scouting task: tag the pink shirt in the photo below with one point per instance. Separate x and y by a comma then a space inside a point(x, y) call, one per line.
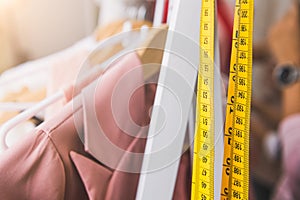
point(52, 162)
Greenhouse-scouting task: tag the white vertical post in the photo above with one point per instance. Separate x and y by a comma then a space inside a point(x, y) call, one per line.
point(172, 103)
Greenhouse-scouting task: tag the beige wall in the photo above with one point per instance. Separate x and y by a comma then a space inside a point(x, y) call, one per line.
point(35, 28)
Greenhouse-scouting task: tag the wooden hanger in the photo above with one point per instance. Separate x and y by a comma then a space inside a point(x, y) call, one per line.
point(151, 51)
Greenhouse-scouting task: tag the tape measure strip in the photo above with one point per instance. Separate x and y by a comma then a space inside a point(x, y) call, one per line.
point(235, 179)
point(203, 164)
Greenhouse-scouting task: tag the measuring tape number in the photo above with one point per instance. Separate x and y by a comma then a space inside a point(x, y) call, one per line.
point(235, 179)
point(235, 174)
point(203, 164)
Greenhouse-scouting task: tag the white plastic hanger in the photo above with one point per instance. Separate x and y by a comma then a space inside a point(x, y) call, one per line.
point(13, 106)
point(130, 38)
point(24, 116)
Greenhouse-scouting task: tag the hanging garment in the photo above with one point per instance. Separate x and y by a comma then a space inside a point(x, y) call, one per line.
point(225, 27)
point(166, 9)
point(52, 163)
point(103, 53)
point(68, 70)
point(288, 188)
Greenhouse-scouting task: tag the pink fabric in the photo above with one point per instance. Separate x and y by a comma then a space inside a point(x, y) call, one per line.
point(40, 167)
point(53, 164)
point(120, 110)
point(290, 138)
point(92, 175)
point(119, 102)
point(65, 68)
point(125, 112)
point(32, 170)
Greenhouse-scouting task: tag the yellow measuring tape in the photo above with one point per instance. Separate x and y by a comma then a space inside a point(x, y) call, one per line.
point(235, 179)
point(203, 164)
point(235, 174)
